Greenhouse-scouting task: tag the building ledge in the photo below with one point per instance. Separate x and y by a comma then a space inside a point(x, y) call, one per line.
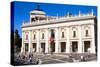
point(58, 20)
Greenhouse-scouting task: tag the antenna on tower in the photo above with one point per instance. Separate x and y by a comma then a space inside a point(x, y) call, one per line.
point(38, 7)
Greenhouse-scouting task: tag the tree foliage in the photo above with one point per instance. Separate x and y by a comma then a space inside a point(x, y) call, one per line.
point(17, 41)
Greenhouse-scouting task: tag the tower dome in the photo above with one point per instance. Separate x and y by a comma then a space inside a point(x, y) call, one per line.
point(37, 14)
point(38, 11)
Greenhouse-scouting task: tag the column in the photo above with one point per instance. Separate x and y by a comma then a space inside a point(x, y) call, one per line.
point(47, 40)
point(68, 40)
point(59, 48)
point(80, 46)
point(49, 35)
point(93, 39)
point(56, 40)
point(38, 40)
point(30, 41)
point(22, 48)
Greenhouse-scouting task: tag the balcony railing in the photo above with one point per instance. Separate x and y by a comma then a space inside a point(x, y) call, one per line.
point(58, 19)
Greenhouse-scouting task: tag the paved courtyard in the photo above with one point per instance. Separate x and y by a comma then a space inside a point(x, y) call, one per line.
point(40, 58)
point(63, 58)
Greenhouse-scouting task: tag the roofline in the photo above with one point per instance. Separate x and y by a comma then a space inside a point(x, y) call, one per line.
point(60, 22)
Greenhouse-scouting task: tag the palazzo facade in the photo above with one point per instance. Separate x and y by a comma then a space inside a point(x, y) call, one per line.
point(67, 34)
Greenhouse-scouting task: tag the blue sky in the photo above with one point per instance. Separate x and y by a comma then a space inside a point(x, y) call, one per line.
point(22, 9)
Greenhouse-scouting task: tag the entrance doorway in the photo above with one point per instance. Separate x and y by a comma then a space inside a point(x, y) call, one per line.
point(26, 47)
point(74, 46)
point(63, 46)
point(86, 46)
point(52, 46)
point(34, 47)
point(43, 47)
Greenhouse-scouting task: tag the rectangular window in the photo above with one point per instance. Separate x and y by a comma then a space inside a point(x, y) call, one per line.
point(62, 34)
point(26, 36)
point(34, 37)
point(32, 19)
point(86, 46)
point(86, 33)
point(34, 47)
point(74, 46)
point(74, 33)
point(42, 35)
point(52, 34)
point(26, 47)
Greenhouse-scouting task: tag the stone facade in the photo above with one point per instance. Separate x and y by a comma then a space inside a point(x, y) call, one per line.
point(68, 34)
